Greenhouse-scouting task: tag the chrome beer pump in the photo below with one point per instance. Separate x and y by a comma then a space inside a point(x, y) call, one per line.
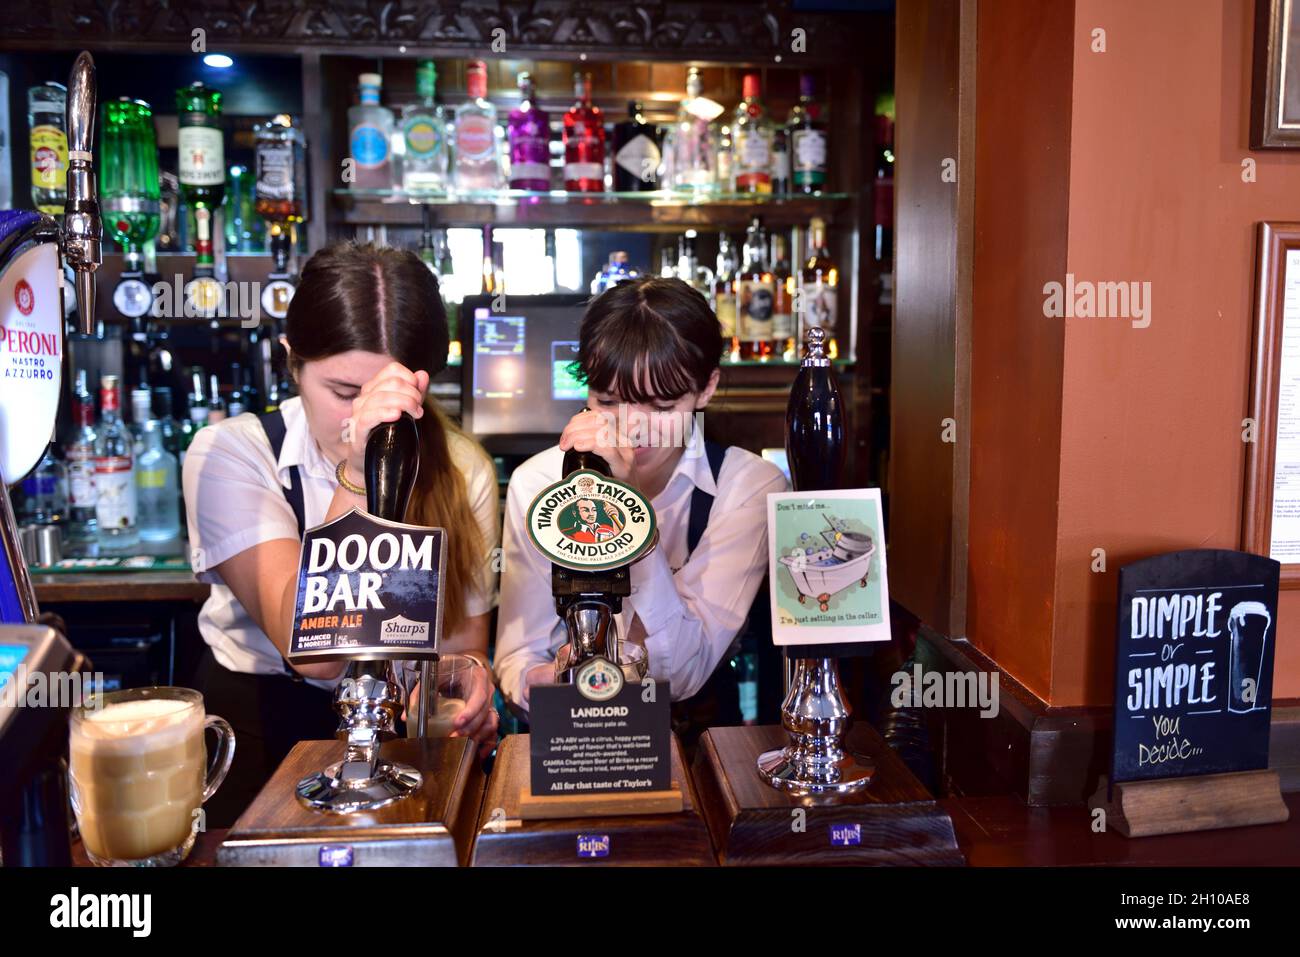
point(587, 601)
point(83, 231)
point(369, 698)
point(814, 712)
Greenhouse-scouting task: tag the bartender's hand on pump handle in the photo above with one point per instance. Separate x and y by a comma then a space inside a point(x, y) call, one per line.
point(394, 389)
point(591, 431)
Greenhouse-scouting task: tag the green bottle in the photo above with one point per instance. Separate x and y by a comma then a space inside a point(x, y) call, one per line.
point(128, 176)
point(202, 164)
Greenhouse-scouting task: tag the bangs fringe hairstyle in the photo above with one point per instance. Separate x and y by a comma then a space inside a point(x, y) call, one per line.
point(649, 338)
point(384, 300)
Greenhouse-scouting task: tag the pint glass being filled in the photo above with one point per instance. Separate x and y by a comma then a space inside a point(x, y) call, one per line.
point(1248, 624)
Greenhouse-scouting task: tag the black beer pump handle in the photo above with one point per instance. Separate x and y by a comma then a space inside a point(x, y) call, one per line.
point(392, 461)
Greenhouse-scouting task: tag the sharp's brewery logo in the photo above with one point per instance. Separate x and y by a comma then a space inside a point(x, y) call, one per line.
point(590, 522)
point(366, 583)
point(402, 629)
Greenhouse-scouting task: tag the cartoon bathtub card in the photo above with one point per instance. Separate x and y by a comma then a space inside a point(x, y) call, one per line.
point(826, 567)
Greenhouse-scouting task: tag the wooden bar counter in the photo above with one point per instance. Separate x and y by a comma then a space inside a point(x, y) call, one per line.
point(652, 840)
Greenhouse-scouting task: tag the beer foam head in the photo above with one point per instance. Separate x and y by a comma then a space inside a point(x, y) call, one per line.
point(142, 724)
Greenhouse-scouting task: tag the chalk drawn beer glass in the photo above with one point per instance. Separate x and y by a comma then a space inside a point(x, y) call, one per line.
point(139, 774)
point(1248, 624)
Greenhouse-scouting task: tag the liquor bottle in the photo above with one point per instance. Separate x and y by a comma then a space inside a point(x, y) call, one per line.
point(115, 501)
point(141, 413)
point(691, 152)
point(202, 171)
point(477, 162)
point(46, 106)
point(237, 404)
point(584, 141)
point(884, 188)
point(636, 153)
point(424, 132)
point(752, 135)
point(754, 297)
point(129, 191)
point(818, 300)
point(807, 128)
point(157, 488)
point(529, 135)
point(689, 268)
point(724, 294)
point(216, 405)
point(45, 491)
point(81, 465)
point(780, 163)
point(616, 271)
point(198, 411)
point(163, 409)
point(783, 327)
point(815, 421)
point(370, 136)
point(726, 179)
point(280, 190)
point(667, 268)
point(243, 228)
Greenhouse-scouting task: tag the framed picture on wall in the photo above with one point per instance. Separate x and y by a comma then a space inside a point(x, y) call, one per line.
point(1275, 87)
point(1271, 503)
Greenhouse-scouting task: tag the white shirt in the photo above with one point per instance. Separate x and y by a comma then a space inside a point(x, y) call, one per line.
point(692, 610)
point(234, 499)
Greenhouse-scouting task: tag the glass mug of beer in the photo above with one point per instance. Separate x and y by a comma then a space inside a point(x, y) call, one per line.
point(453, 679)
point(138, 774)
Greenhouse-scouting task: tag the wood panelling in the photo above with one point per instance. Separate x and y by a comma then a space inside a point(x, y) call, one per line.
point(931, 299)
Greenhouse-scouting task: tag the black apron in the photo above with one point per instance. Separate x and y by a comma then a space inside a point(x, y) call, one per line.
point(269, 713)
point(717, 703)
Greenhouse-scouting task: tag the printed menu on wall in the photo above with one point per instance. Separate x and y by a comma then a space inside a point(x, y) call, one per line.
point(1285, 542)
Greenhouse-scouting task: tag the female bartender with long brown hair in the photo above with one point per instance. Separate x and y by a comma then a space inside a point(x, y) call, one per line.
point(365, 331)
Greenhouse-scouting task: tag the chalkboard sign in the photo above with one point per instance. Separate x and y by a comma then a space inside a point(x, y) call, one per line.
point(369, 588)
point(1194, 669)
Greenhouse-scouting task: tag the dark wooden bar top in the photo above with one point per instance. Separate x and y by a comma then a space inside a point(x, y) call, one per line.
point(118, 586)
point(1002, 831)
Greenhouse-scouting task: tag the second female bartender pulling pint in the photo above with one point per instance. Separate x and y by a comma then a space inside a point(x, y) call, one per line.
point(649, 351)
point(365, 331)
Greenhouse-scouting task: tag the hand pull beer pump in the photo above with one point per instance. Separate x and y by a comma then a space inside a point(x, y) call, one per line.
point(587, 601)
point(369, 698)
point(814, 712)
